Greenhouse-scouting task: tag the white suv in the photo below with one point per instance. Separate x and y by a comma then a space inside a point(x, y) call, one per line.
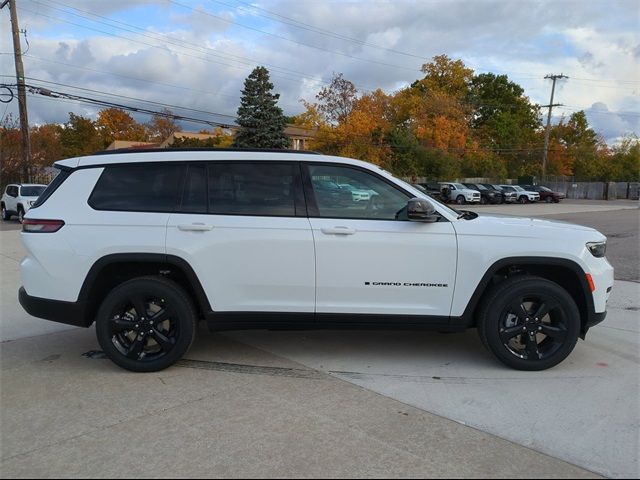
point(523, 196)
point(18, 198)
point(147, 243)
point(460, 194)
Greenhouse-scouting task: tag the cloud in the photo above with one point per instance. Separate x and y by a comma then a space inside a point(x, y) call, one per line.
point(188, 58)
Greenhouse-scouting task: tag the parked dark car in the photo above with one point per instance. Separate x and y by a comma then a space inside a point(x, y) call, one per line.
point(486, 195)
point(433, 189)
point(546, 194)
point(504, 196)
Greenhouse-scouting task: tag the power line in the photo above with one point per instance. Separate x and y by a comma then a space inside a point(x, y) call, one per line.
point(283, 75)
point(291, 40)
point(311, 28)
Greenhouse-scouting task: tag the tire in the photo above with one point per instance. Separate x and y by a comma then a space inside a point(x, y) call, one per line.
point(460, 200)
point(548, 199)
point(20, 214)
point(523, 199)
point(123, 332)
point(483, 200)
point(508, 327)
point(5, 215)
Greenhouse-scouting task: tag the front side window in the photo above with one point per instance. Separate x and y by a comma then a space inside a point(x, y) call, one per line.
point(344, 192)
point(244, 188)
point(139, 188)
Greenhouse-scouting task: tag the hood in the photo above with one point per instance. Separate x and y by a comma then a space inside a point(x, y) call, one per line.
point(526, 227)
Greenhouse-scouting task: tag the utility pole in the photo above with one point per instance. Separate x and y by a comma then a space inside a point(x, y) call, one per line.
point(22, 91)
point(547, 129)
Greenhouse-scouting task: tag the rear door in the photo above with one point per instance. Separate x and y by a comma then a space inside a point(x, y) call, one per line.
point(242, 226)
point(370, 259)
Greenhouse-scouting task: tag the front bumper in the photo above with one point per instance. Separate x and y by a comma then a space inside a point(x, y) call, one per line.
point(70, 313)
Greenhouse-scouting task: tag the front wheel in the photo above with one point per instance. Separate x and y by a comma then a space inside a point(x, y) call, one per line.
point(484, 200)
point(20, 214)
point(460, 200)
point(523, 199)
point(529, 323)
point(548, 199)
point(5, 215)
point(146, 324)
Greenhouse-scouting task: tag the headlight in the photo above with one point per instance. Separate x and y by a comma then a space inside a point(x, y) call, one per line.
point(597, 249)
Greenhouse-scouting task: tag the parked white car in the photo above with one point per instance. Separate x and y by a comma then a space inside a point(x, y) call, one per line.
point(523, 196)
point(146, 244)
point(18, 198)
point(461, 194)
point(358, 194)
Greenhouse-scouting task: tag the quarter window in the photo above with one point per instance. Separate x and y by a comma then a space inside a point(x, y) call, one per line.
point(261, 189)
point(139, 188)
point(343, 192)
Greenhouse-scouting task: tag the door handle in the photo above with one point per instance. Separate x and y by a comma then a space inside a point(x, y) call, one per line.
point(195, 227)
point(338, 231)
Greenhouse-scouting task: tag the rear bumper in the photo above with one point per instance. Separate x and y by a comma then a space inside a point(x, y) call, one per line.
point(70, 313)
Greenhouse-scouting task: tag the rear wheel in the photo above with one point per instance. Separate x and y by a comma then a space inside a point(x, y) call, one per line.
point(529, 323)
point(146, 324)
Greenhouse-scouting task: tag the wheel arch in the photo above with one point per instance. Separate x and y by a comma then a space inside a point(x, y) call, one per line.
point(114, 269)
point(566, 273)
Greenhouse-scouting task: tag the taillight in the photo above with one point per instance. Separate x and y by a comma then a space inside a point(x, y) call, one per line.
point(41, 226)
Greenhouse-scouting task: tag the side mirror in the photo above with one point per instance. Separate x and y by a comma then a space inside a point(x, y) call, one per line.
point(420, 210)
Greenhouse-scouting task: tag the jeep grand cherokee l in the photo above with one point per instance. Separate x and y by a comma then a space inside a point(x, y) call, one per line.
point(147, 243)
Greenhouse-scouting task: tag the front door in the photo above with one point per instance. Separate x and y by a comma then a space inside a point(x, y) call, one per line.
point(370, 259)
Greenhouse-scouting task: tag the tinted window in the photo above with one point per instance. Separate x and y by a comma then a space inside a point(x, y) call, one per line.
point(343, 192)
point(252, 189)
point(13, 191)
point(139, 187)
point(31, 191)
point(194, 198)
point(61, 176)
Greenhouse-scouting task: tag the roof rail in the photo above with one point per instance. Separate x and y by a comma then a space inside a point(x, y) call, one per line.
point(201, 149)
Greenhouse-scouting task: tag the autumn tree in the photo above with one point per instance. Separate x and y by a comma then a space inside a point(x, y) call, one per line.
point(115, 124)
point(218, 139)
point(261, 120)
point(79, 136)
point(336, 100)
point(162, 126)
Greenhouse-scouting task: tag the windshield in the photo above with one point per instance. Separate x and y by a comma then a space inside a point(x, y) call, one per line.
point(545, 189)
point(33, 191)
point(459, 186)
point(517, 188)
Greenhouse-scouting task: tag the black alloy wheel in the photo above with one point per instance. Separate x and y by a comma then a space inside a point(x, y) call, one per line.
point(146, 324)
point(523, 199)
point(529, 323)
point(548, 199)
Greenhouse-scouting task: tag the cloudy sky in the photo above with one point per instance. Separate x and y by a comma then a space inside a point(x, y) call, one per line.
point(194, 55)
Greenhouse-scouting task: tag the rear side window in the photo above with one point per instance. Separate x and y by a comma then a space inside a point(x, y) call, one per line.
point(60, 177)
point(139, 188)
point(266, 189)
point(194, 198)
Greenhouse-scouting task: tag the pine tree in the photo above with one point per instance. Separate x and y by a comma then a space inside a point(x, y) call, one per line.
point(261, 120)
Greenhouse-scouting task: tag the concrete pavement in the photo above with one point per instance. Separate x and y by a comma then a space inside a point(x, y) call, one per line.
point(285, 404)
